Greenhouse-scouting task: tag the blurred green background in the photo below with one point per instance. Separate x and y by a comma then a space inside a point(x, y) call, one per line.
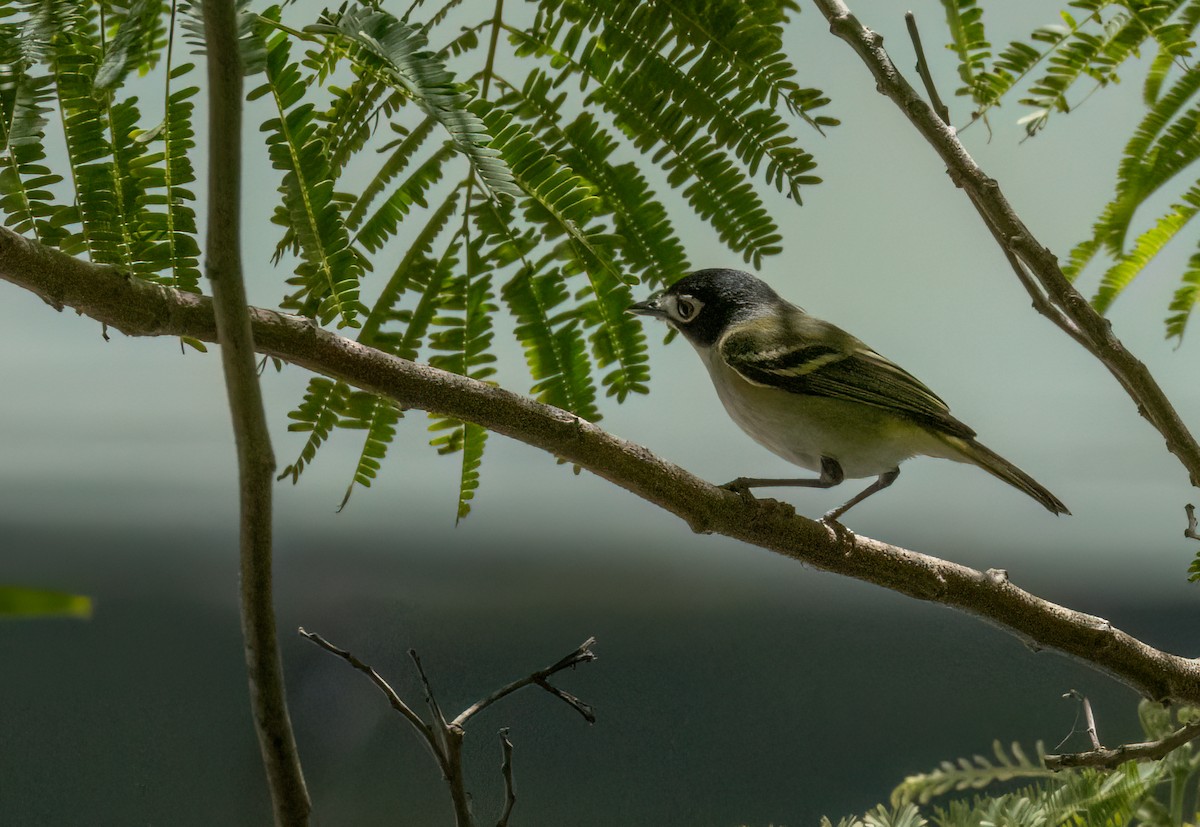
point(732, 686)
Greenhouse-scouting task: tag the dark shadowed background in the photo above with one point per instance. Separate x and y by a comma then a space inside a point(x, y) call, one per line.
point(732, 686)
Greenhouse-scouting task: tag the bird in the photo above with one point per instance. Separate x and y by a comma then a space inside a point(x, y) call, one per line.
point(814, 394)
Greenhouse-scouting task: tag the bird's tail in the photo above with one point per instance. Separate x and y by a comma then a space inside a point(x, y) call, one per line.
point(996, 465)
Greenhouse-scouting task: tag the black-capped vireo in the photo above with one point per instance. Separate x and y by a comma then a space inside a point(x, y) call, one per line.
point(815, 395)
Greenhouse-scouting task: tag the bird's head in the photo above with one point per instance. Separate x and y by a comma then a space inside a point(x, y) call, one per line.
point(702, 305)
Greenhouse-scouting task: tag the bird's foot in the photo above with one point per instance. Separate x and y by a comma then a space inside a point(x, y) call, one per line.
point(741, 486)
point(830, 518)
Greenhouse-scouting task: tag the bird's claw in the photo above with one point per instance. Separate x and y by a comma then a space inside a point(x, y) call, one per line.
point(739, 487)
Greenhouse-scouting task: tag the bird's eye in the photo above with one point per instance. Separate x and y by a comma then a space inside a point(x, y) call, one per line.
point(686, 308)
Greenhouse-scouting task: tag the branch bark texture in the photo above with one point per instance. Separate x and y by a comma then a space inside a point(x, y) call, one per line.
point(1052, 293)
point(256, 462)
point(139, 308)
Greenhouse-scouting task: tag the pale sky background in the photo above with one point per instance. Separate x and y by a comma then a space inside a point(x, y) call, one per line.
point(128, 442)
point(131, 432)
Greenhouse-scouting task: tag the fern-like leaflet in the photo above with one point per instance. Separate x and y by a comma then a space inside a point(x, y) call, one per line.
point(565, 206)
point(972, 773)
point(399, 52)
point(715, 186)
point(25, 180)
point(329, 273)
point(650, 246)
point(465, 341)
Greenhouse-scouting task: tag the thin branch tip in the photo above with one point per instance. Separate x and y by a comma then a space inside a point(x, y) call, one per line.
point(935, 100)
point(506, 770)
point(582, 654)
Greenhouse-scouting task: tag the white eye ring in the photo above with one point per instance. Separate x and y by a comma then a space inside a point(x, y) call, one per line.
point(686, 308)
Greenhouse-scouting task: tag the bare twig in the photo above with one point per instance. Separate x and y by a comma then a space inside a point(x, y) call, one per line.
point(445, 739)
point(910, 20)
point(430, 698)
point(1038, 296)
point(449, 738)
point(583, 654)
point(579, 706)
point(1093, 331)
point(256, 462)
point(396, 702)
point(1190, 532)
point(139, 308)
point(1089, 719)
point(1110, 758)
point(510, 794)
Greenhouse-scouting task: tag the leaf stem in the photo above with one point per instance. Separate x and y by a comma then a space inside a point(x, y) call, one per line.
point(497, 23)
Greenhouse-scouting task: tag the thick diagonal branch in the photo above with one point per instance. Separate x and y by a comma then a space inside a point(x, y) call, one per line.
point(1077, 317)
point(138, 308)
point(256, 462)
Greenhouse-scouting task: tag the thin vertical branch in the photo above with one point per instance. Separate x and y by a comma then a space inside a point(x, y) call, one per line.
point(510, 793)
point(256, 462)
point(1089, 719)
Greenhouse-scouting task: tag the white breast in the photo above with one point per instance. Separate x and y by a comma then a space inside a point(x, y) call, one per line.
point(865, 440)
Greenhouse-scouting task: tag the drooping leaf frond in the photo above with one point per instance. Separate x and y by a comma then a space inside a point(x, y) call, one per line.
point(1165, 143)
point(329, 273)
point(139, 43)
point(25, 198)
point(377, 416)
point(402, 152)
point(166, 176)
point(416, 270)
point(103, 153)
point(391, 328)
point(564, 205)
point(406, 341)
point(385, 221)
point(547, 326)
point(650, 246)
point(971, 773)
point(715, 184)
point(465, 343)
point(1148, 245)
point(1162, 145)
point(323, 405)
point(400, 53)
point(1092, 42)
point(351, 119)
point(1185, 300)
point(964, 20)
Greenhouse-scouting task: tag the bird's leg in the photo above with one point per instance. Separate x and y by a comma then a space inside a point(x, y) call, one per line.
point(885, 479)
point(831, 475)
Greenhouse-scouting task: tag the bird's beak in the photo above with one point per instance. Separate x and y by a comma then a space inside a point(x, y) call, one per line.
point(650, 307)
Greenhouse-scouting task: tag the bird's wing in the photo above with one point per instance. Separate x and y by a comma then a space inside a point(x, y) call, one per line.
point(824, 360)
